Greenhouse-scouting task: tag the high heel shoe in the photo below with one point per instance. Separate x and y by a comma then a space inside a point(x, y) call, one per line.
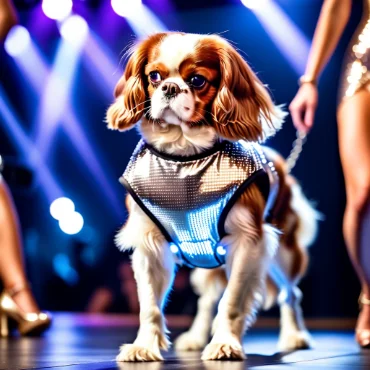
point(363, 335)
point(26, 323)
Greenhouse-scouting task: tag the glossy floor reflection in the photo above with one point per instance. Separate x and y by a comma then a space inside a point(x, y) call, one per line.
point(77, 342)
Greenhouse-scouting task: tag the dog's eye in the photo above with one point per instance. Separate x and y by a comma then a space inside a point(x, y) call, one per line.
point(197, 81)
point(155, 77)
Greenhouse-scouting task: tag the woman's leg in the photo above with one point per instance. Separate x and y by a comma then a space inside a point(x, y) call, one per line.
point(354, 145)
point(12, 272)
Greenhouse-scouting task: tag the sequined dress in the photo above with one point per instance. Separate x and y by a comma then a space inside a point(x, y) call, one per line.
point(356, 67)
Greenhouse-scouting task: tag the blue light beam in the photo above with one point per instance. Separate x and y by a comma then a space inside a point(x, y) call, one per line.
point(292, 43)
point(28, 150)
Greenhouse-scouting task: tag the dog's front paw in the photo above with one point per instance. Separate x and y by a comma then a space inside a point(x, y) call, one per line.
point(134, 353)
point(223, 351)
point(188, 341)
point(294, 340)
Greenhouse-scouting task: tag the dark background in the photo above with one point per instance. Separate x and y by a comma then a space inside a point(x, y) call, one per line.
point(65, 270)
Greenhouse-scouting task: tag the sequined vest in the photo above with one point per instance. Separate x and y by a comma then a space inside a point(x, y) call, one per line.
point(189, 198)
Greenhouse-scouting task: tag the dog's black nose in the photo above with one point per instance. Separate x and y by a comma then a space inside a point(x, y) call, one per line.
point(170, 89)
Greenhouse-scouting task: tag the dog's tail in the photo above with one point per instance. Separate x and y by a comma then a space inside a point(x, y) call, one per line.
point(308, 217)
point(299, 227)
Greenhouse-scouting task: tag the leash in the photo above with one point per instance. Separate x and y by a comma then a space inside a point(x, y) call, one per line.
point(296, 151)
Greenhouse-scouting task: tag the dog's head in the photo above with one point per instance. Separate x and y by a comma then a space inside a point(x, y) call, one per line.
point(193, 80)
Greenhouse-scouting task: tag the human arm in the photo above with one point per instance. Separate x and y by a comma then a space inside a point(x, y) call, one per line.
point(333, 18)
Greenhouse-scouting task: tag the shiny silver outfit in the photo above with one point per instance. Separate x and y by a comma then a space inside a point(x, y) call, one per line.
point(189, 197)
point(356, 68)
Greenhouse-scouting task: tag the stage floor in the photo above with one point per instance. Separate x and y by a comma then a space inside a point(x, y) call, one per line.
point(91, 343)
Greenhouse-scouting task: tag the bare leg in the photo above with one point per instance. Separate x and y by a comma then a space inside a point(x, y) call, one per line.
point(12, 272)
point(354, 145)
point(209, 284)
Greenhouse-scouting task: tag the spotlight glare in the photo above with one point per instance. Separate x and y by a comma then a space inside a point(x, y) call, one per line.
point(126, 8)
point(17, 41)
point(72, 224)
point(254, 4)
point(62, 208)
point(57, 10)
point(74, 29)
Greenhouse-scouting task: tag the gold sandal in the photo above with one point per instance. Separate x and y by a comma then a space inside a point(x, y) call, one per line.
point(26, 323)
point(363, 335)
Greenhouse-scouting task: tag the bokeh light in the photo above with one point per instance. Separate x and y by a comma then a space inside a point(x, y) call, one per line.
point(57, 9)
point(74, 29)
point(17, 41)
point(126, 8)
point(62, 208)
point(72, 224)
point(254, 4)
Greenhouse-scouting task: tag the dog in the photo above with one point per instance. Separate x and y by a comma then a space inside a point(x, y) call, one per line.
point(202, 191)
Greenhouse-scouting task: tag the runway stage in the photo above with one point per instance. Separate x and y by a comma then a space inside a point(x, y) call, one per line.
point(91, 342)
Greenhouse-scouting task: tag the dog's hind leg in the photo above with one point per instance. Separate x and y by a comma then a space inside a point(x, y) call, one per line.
point(293, 333)
point(300, 232)
point(209, 284)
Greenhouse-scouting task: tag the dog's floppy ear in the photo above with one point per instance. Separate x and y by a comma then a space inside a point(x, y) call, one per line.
point(130, 92)
point(243, 108)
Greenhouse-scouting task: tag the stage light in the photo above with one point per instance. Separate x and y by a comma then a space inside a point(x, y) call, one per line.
point(62, 208)
point(126, 8)
point(90, 155)
point(35, 69)
point(17, 41)
point(56, 92)
point(57, 9)
point(289, 39)
point(72, 224)
point(144, 22)
point(254, 4)
point(74, 29)
point(27, 149)
point(56, 109)
point(101, 64)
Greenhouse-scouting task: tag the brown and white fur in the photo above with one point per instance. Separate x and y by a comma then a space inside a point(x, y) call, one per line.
point(231, 104)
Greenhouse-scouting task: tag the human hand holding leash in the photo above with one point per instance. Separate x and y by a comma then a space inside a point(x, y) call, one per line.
point(303, 107)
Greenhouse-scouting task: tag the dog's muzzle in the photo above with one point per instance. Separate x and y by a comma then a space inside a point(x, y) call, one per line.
point(170, 89)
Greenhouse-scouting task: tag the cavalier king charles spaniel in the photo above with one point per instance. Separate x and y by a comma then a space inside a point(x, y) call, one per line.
point(203, 192)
